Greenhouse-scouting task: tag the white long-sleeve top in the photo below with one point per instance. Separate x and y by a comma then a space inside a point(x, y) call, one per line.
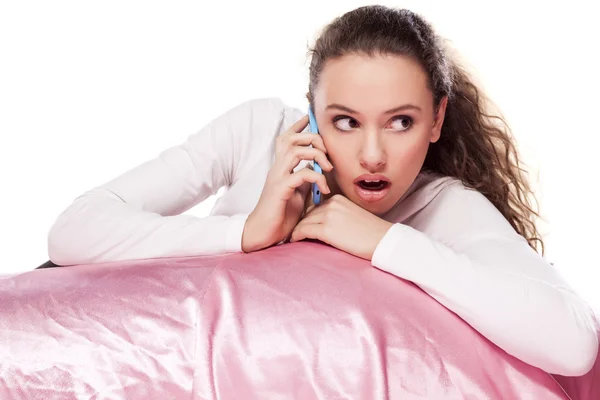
point(449, 240)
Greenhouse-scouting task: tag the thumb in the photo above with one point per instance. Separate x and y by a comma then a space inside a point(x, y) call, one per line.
point(304, 189)
point(308, 203)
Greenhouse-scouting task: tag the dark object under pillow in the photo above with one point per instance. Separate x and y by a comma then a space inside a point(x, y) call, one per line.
point(48, 264)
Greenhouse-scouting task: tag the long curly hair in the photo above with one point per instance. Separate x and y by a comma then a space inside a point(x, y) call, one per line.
point(475, 146)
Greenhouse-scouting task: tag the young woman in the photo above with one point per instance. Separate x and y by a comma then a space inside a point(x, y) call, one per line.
point(418, 178)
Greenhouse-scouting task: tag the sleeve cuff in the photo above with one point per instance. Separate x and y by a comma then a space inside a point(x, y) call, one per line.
point(384, 251)
point(233, 233)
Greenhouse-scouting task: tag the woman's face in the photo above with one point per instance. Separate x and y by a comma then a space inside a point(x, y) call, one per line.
point(377, 118)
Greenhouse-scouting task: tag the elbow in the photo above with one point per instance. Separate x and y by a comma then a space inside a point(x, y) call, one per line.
point(566, 342)
point(575, 352)
point(580, 350)
point(62, 243)
point(580, 356)
point(71, 236)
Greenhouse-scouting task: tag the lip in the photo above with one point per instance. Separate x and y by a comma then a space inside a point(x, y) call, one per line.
point(371, 177)
point(371, 196)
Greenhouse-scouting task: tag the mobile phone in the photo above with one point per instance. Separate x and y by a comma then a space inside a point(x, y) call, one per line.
point(316, 192)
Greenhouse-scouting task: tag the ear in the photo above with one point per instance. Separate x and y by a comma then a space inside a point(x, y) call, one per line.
point(436, 130)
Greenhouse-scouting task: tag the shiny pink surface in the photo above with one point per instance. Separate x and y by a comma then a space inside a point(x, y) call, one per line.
point(300, 321)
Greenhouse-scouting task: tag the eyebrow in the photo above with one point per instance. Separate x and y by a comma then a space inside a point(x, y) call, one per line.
point(393, 110)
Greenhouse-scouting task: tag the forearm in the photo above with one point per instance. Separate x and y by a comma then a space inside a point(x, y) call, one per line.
point(524, 307)
point(100, 228)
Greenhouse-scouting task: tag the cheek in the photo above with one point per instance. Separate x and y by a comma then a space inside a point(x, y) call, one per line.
point(412, 153)
point(408, 150)
point(337, 152)
point(341, 164)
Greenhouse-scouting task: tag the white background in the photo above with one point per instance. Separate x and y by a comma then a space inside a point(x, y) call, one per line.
point(89, 90)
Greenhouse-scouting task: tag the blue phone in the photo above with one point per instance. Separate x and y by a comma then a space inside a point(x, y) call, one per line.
point(316, 193)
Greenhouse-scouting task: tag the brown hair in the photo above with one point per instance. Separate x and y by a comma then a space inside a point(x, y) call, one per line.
point(475, 146)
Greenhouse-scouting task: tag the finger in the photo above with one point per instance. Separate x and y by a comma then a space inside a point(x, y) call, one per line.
point(307, 231)
point(304, 189)
point(307, 139)
point(296, 179)
point(299, 125)
point(315, 209)
point(315, 216)
point(299, 153)
point(288, 141)
point(310, 208)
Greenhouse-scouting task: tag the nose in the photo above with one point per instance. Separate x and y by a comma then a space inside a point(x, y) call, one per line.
point(372, 155)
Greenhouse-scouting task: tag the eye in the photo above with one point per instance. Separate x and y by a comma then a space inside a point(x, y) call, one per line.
point(349, 123)
point(402, 122)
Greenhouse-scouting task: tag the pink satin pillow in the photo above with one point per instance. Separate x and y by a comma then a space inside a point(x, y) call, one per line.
point(302, 321)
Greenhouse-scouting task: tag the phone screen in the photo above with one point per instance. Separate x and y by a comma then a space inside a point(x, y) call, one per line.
point(316, 193)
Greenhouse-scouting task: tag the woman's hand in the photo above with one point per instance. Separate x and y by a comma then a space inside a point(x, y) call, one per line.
point(282, 200)
point(343, 224)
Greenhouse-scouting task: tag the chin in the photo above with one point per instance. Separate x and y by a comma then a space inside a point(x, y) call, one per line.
point(378, 208)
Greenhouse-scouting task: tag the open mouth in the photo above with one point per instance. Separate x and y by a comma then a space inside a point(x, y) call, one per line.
point(371, 188)
point(374, 185)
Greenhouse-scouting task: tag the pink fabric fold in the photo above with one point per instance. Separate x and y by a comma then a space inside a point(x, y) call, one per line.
point(301, 320)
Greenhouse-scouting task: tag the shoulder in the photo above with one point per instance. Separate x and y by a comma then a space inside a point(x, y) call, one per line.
point(255, 122)
point(245, 134)
point(443, 205)
point(449, 193)
point(268, 110)
point(260, 119)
